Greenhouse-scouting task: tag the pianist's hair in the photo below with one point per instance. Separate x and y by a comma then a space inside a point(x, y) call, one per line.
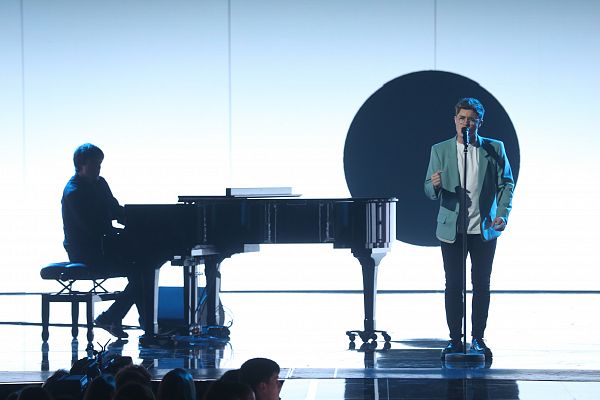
point(86, 152)
point(470, 103)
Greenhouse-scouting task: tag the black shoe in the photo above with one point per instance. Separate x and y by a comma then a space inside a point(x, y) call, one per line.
point(114, 328)
point(479, 346)
point(454, 346)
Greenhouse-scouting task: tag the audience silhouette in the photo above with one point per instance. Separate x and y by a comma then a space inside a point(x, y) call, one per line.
point(256, 379)
point(177, 384)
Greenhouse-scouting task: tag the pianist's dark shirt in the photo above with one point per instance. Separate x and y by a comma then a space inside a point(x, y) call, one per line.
point(88, 209)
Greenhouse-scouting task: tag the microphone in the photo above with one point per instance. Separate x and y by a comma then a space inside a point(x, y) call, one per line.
point(465, 133)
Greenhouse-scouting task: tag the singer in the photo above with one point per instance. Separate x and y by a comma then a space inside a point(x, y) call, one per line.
point(489, 188)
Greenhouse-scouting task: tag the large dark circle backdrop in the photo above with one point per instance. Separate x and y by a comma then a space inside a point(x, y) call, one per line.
point(389, 141)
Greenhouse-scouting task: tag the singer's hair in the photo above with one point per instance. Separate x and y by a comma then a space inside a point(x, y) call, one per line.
point(470, 103)
point(86, 152)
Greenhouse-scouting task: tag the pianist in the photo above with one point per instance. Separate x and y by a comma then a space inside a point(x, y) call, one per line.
point(88, 209)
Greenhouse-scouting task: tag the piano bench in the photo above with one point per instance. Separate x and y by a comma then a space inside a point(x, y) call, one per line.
point(66, 274)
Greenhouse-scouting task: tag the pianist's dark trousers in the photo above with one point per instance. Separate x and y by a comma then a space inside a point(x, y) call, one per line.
point(482, 257)
point(132, 294)
point(140, 275)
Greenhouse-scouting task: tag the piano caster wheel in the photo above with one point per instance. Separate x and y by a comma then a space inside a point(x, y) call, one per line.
point(368, 346)
point(368, 337)
point(365, 336)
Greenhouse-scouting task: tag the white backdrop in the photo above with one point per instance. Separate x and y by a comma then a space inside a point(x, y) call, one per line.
point(190, 97)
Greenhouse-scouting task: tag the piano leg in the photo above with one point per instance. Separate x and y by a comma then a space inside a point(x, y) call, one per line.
point(191, 297)
point(369, 261)
point(213, 288)
point(150, 302)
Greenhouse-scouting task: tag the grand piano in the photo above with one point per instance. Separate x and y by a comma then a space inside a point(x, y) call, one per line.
point(205, 230)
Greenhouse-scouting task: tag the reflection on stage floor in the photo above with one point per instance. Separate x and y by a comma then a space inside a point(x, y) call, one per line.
point(545, 346)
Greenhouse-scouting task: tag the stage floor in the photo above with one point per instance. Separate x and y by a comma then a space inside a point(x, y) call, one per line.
point(545, 346)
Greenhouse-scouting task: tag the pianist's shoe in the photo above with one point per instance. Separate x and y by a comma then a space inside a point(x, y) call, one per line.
point(479, 346)
point(112, 327)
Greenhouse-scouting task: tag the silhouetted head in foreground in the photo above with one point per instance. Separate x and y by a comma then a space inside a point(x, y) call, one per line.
point(177, 384)
point(262, 375)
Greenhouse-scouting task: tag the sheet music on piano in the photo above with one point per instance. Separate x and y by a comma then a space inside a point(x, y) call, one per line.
point(285, 191)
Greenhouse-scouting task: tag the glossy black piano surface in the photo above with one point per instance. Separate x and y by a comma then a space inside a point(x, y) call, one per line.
point(226, 222)
point(208, 229)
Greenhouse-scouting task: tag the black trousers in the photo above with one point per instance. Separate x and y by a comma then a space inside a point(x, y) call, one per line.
point(140, 290)
point(482, 258)
point(132, 294)
point(139, 267)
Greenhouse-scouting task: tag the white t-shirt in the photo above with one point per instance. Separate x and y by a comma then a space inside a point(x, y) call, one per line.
point(473, 190)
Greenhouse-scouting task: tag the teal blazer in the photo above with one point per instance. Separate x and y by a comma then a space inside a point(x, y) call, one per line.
point(495, 180)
